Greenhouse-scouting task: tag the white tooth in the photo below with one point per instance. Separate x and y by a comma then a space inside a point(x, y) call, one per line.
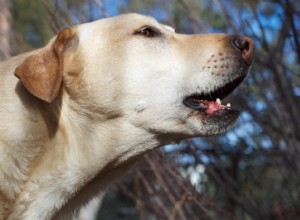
point(228, 105)
point(218, 101)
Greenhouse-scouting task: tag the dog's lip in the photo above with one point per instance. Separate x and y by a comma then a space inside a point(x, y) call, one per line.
point(208, 107)
point(210, 103)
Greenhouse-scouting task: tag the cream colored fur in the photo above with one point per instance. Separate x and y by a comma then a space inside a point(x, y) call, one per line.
point(120, 96)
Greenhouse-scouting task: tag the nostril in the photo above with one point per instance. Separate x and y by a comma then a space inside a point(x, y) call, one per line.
point(241, 44)
point(246, 46)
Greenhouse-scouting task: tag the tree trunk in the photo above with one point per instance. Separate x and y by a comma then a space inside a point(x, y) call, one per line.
point(5, 30)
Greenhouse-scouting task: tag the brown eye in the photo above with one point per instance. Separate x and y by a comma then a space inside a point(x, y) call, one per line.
point(147, 32)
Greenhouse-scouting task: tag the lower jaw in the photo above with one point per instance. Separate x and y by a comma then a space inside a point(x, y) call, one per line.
point(221, 114)
point(218, 122)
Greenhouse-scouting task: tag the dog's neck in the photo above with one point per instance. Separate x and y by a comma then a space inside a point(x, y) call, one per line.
point(67, 150)
point(60, 144)
point(91, 167)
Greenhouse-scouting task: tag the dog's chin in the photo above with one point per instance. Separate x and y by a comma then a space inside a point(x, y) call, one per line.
point(219, 122)
point(208, 111)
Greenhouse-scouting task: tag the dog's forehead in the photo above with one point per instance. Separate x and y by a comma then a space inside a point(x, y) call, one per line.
point(169, 28)
point(132, 19)
point(121, 23)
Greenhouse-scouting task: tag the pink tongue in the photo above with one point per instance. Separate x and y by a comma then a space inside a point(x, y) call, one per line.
point(213, 107)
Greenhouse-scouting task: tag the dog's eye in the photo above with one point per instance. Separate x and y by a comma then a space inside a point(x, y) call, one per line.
point(147, 32)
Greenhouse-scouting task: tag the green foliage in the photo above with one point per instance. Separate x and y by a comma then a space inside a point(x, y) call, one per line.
point(30, 24)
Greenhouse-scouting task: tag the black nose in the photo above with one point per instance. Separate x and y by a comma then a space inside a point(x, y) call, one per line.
point(246, 46)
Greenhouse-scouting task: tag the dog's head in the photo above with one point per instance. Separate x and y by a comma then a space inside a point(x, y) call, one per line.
point(132, 67)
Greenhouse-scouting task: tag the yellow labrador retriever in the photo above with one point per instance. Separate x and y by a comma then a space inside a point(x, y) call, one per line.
point(78, 113)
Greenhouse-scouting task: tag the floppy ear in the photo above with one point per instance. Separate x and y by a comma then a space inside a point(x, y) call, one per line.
point(41, 73)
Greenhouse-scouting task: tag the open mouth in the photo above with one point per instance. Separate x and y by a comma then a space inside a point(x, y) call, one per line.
point(210, 103)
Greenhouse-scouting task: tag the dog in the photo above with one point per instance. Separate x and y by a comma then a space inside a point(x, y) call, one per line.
point(78, 113)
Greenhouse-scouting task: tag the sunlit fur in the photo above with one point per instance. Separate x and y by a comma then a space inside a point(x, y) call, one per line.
point(121, 95)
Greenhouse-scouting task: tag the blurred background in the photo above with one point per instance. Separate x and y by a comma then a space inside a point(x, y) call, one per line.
point(249, 173)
